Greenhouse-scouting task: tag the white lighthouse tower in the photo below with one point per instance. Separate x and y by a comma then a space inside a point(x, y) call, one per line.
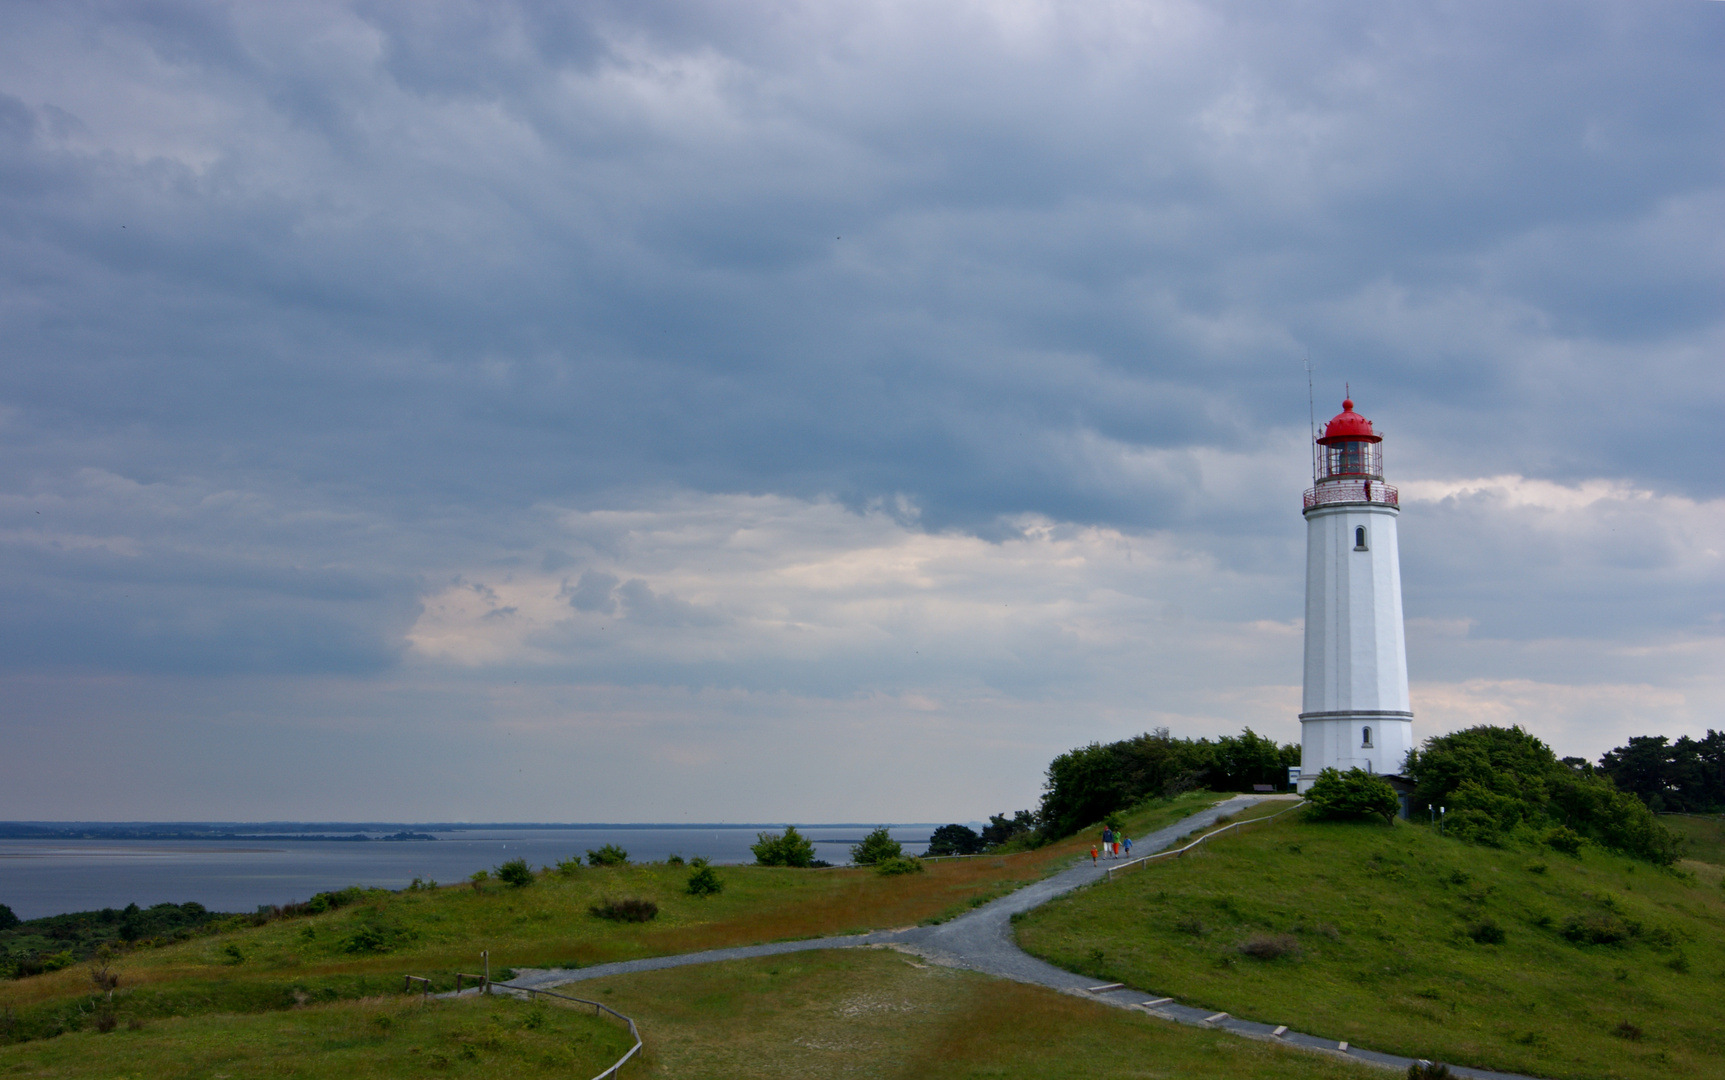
point(1355, 713)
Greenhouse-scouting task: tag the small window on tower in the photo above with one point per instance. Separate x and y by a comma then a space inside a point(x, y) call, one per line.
point(1360, 538)
point(1365, 736)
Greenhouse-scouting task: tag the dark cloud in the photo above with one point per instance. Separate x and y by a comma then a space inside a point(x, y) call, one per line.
point(309, 308)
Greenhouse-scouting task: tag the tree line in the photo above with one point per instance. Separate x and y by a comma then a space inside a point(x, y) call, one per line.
point(1492, 784)
point(1686, 776)
point(1085, 785)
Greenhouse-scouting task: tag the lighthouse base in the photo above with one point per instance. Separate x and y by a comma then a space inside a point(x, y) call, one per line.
point(1377, 742)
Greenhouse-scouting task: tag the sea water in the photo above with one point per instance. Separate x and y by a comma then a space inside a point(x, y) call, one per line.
point(48, 877)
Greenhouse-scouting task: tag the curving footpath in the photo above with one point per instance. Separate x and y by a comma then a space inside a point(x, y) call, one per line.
point(982, 940)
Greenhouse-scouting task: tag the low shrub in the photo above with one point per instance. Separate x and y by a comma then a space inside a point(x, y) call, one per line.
point(1486, 932)
point(1564, 839)
point(899, 865)
point(1475, 826)
point(673, 859)
point(515, 872)
point(1627, 1030)
point(789, 848)
point(569, 867)
point(1353, 794)
point(704, 880)
point(376, 935)
point(878, 846)
point(1596, 929)
point(609, 855)
point(1269, 946)
point(1428, 1070)
point(479, 878)
point(631, 910)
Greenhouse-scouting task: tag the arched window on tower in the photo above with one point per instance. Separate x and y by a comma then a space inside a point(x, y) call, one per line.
point(1359, 538)
point(1366, 737)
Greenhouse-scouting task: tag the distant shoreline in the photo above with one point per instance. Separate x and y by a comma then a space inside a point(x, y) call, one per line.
point(287, 831)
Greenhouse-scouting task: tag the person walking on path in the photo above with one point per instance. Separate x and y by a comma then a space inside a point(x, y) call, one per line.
point(1127, 844)
point(1092, 854)
point(1107, 841)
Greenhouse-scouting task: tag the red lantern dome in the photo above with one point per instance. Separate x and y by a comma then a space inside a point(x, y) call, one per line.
point(1349, 467)
point(1349, 426)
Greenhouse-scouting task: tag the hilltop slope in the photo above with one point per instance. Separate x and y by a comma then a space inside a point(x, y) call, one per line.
point(1405, 941)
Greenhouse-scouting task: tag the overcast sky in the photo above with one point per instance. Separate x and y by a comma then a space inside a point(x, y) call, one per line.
point(774, 411)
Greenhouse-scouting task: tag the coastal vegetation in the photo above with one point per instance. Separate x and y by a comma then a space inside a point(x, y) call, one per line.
point(376, 1037)
point(1518, 956)
point(1685, 776)
point(1499, 783)
point(857, 1012)
point(358, 943)
point(1085, 785)
point(789, 848)
point(878, 846)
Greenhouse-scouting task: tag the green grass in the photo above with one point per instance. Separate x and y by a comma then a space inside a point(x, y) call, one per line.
point(364, 948)
point(400, 1037)
point(1385, 921)
point(1703, 836)
point(280, 984)
point(877, 1013)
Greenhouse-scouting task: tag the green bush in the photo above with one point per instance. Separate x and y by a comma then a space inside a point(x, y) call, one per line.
point(703, 879)
point(376, 935)
point(899, 865)
point(7, 919)
point(877, 846)
point(788, 848)
point(1514, 780)
point(609, 855)
point(1564, 839)
point(569, 867)
point(1486, 932)
point(1353, 794)
point(515, 872)
point(1474, 826)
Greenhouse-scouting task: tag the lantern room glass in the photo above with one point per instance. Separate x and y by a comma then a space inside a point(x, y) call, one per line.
point(1353, 457)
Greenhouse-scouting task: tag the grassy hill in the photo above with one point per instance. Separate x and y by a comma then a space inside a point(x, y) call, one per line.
point(1402, 940)
point(231, 978)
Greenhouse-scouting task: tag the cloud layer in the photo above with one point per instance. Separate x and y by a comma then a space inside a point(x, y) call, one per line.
point(873, 373)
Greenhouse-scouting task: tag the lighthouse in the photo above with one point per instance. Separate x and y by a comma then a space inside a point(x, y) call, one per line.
point(1355, 712)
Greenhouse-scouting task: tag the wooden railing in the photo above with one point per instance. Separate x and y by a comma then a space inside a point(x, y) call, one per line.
point(1175, 853)
point(533, 993)
point(634, 1032)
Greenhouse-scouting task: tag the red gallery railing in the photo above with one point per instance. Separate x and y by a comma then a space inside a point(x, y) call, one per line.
point(1352, 491)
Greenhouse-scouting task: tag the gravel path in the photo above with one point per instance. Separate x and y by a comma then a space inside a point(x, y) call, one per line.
point(982, 940)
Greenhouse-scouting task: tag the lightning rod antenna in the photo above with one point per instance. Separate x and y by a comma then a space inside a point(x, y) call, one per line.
point(1312, 417)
